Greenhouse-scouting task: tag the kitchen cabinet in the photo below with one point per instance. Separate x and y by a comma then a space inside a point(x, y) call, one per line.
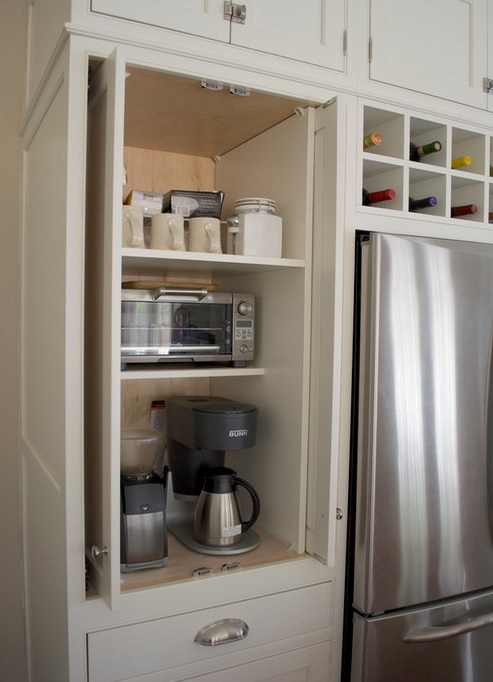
point(71, 457)
point(276, 465)
point(438, 48)
point(145, 109)
point(312, 32)
point(439, 174)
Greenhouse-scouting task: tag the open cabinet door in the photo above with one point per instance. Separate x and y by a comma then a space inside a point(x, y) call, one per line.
point(102, 330)
point(327, 344)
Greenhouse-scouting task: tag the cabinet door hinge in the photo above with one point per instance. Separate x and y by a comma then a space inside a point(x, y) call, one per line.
point(370, 49)
point(234, 12)
point(344, 43)
point(488, 86)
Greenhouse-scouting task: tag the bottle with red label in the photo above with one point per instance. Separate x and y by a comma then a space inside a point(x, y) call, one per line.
point(370, 198)
point(466, 209)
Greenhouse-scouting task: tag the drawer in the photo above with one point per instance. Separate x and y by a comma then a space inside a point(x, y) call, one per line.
point(148, 647)
point(298, 665)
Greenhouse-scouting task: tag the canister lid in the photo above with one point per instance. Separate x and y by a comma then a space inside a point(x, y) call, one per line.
point(255, 205)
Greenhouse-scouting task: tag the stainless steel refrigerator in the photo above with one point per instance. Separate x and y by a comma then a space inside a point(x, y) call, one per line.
point(420, 581)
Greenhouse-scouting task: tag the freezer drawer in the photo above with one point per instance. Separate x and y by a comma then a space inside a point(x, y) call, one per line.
point(452, 642)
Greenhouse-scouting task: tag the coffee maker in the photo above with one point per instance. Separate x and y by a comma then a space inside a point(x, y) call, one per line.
point(200, 430)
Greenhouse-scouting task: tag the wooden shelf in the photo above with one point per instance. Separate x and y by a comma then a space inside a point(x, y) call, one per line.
point(181, 371)
point(183, 562)
point(153, 260)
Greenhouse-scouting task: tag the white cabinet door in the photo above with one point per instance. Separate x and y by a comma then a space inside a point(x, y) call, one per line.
point(438, 47)
point(199, 17)
point(105, 171)
point(490, 55)
point(311, 31)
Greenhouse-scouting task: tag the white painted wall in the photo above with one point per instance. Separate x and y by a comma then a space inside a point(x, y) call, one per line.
point(12, 57)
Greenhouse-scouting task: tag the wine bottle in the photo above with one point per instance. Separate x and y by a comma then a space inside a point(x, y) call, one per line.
point(461, 161)
point(467, 209)
point(370, 198)
point(418, 204)
point(416, 152)
point(372, 140)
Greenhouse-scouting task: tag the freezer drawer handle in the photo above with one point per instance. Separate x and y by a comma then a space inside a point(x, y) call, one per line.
point(435, 633)
point(222, 632)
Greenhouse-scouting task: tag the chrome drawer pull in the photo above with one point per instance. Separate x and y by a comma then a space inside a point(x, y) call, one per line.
point(222, 632)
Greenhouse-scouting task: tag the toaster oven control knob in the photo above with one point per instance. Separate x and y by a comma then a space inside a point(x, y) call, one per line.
point(244, 348)
point(245, 308)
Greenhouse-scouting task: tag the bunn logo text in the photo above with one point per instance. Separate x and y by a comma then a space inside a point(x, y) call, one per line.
point(236, 433)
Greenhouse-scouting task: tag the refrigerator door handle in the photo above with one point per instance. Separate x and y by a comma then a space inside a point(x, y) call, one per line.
point(433, 633)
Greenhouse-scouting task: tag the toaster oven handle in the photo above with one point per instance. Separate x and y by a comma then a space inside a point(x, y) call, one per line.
point(196, 294)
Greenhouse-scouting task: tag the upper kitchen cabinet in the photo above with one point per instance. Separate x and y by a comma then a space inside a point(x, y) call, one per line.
point(198, 17)
point(312, 31)
point(437, 48)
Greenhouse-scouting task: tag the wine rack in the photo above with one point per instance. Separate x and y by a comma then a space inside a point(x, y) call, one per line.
point(458, 171)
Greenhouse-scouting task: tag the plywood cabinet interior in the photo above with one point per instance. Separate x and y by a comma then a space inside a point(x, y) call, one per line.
point(180, 135)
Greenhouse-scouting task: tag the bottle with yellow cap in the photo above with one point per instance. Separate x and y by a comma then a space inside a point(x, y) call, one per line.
point(461, 161)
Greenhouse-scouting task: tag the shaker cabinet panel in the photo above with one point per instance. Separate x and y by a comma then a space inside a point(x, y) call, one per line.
point(310, 663)
point(311, 32)
point(438, 48)
point(198, 17)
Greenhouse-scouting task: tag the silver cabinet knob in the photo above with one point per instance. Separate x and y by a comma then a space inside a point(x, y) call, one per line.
point(97, 551)
point(222, 632)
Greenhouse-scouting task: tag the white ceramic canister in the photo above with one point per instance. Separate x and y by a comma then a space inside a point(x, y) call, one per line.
point(254, 230)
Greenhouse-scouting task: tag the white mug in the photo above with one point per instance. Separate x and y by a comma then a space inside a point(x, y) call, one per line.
point(133, 227)
point(205, 235)
point(167, 232)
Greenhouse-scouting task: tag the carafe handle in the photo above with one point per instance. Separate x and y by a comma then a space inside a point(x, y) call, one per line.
point(245, 525)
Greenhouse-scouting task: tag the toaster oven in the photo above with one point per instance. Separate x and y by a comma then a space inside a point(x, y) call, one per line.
point(170, 324)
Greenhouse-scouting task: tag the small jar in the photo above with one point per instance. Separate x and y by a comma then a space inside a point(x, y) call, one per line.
point(254, 230)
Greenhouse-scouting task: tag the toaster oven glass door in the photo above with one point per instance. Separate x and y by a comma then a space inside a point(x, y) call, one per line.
point(159, 331)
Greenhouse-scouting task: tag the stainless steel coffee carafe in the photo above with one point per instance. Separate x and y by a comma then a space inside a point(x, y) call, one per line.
point(217, 520)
